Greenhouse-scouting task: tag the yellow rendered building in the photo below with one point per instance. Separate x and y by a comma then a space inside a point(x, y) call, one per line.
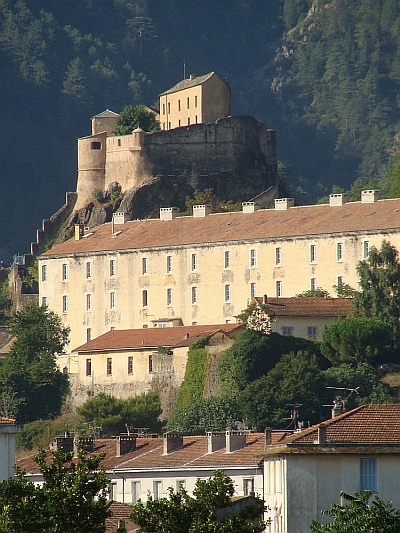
point(195, 100)
point(205, 268)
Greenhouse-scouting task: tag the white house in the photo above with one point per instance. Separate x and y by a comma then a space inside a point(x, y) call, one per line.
point(8, 430)
point(305, 472)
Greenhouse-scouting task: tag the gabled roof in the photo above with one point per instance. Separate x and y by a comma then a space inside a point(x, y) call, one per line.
point(309, 307)
point(106, 114)
point(151, 338)
point(234, 227)
point(367, 426)
point(189, 82)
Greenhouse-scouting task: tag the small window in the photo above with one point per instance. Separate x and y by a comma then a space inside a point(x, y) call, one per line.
point(119, 142)
point(188, 102)
point(144, 265)
point(44, 272)
point(340, 282)
point(227, 259)
point(109, 366)
point(253, 258)
point(169, 264)
point(339, 251)
point(44, 301)
point(112, 267)
point(194, 261)
point(144, 298)
point(88, 302)
point(188, 121)
point(157, 490)
point(227, 293)
point(65, 272)
point(180, 484)
point(65, 304)
point(313, 284)
point(112, 300)
point(313, 253)
point(88, 269)
point(278, 257)
point(169, 108)
point(312, 332)
point(150, 363)
point(287, 330)
point(169, 296)
point(278, 289)
point(248, 486)
point(252, 290)
point(163, 109)
point(88, 367)
point(366, 249)
point(169, 125)
point(135, 491)
point(88, 334)
point(130, 364)
point(179, 105)
point(179, 123)
point(194, 295)
point(368, 474)
point(195, 100)
point(95, 145)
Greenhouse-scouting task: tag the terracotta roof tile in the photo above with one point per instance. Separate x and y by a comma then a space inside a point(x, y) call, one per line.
point(120, 510)
point(153, 337)
point(367, 424)
point(303, 307)
point(264, 224)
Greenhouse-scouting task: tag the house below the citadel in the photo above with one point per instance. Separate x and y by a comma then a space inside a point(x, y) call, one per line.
point(199, 146)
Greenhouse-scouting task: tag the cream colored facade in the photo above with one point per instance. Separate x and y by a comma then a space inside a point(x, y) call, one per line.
point(193, 101)
point(205, 269)
point(8, 431)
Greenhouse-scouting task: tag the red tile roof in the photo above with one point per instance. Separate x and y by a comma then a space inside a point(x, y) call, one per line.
point(149, 454)
point(367, 425)
point(264, 224)
point(136, 339)
point(120, 511)
point(312, 307)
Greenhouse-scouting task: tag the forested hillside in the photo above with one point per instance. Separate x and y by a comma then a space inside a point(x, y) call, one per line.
point(324, 74)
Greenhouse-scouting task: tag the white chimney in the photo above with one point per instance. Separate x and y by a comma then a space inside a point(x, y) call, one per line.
point(370, 197)
point(282, 204)
point(169, 213)
point(200, 211)
point(120, 217)
point(338, 199)
point(250, 207)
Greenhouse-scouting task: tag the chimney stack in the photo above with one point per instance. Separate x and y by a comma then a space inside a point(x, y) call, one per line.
point(321, 440)
point(172, 441)
point(215, 441)
point(201, 211)
point(79, 231)
point(268, 436)
point(124, 444)
point(234, 440)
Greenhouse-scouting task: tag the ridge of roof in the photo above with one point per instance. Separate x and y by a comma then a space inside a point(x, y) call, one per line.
point(106, 113)
point(187, 83)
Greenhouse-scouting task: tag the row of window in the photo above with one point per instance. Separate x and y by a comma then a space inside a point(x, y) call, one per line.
point(109, 365)
point(88, 270)
point(289, 330)
point(168, 106)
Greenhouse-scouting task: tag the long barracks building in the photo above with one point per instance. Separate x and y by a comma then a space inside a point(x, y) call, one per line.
point(205, 268)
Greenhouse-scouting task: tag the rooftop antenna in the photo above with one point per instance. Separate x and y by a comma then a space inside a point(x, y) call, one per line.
point(294, 417)
point(184, 69)
point(342, 394)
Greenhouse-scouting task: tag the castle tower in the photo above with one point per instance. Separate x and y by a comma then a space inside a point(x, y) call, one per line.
point(105, 121)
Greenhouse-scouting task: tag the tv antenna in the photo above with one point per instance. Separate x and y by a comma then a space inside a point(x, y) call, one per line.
point(294, 417)
point(342, 394)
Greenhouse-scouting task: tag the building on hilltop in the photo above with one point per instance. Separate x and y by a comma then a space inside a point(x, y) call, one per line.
point(205, 268)
point(209, 150)
point(194, 100)
point(304, 473)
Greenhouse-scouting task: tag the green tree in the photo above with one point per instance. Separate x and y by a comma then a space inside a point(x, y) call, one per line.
point(355, 340)
point(319, 292)
point(379, 281)
point(132, 117)
point(359, 514)
point(5, 302)
point(257, 316)
point(74, 497)
point(182, 513)
point(30, 369)
point(113, 413)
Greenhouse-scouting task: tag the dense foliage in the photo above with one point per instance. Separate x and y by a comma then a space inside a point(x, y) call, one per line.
point(30, 372)
point(324, 74)
point(132, 117)
point(359, 514)
point(112, 414)
point(73, 497)
point(182, 513)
